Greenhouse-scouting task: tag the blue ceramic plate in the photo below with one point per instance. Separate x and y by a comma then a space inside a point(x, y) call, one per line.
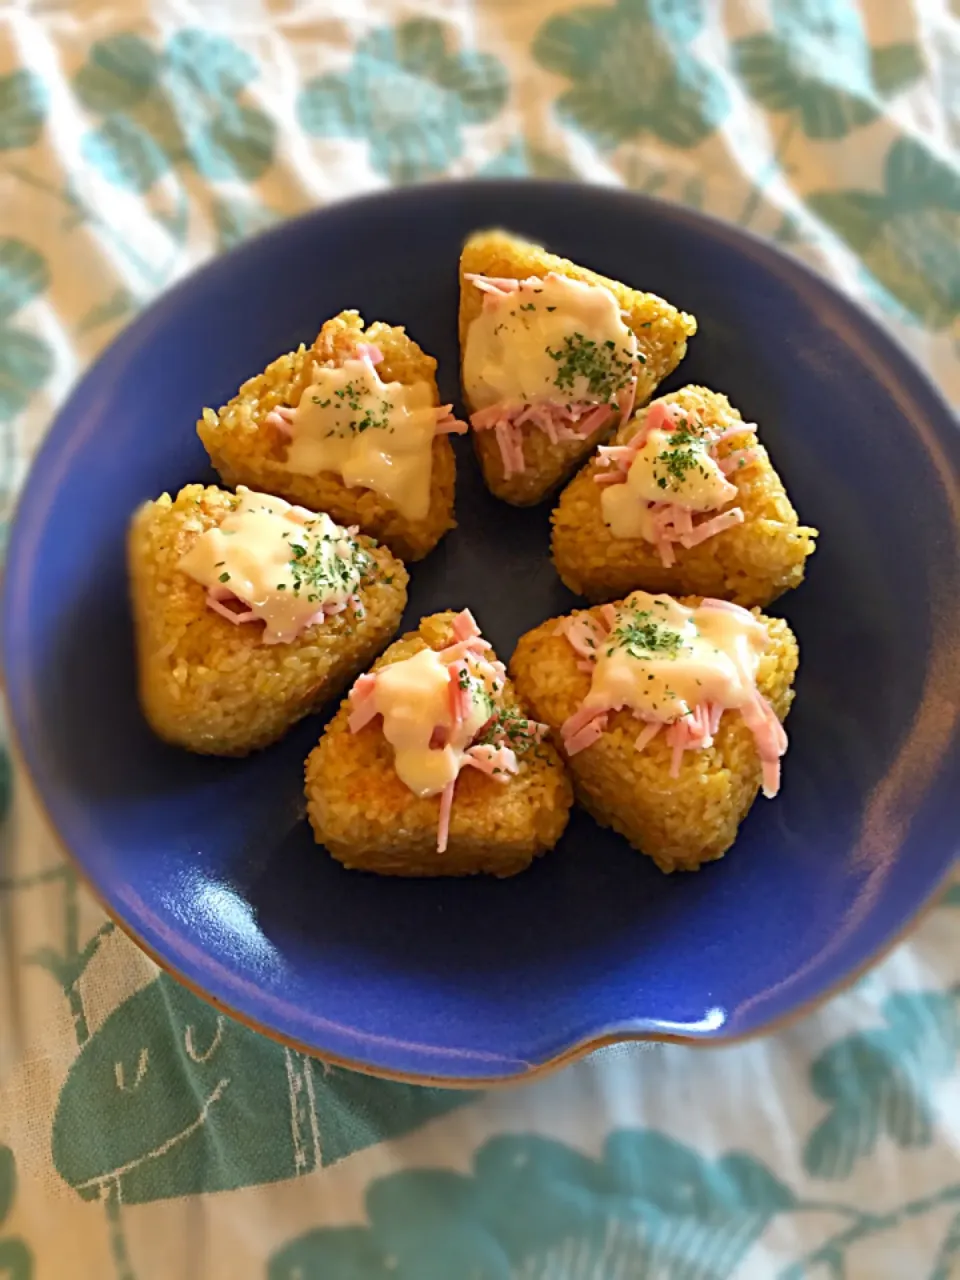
point(210, 865)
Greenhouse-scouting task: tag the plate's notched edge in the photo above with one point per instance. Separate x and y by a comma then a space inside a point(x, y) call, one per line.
point(576, 1052)
point(803, 277)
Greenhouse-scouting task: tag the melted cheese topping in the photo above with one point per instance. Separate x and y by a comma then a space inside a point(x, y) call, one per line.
point(289, 566)
point(625, 516)
point(663, 659)
point(670, 466)
point(414, 698)
point(372, 434)
point(551, 339)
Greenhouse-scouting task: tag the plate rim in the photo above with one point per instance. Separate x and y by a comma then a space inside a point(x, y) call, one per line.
point(940, 432)
point(573, 1054)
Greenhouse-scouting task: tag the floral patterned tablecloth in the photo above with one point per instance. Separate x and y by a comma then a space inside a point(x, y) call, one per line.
point(142, 1136)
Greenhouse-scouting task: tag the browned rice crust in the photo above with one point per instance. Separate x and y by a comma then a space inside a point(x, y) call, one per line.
point(211, 686)
point(679, 822)
point(245, 450)
point(662, 332)
point(370, 821)
point(751, 564)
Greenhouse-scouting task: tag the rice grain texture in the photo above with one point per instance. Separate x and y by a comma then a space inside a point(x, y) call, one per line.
point(210, 685)
point(662, 332)
point(370, 821)
point(679, 822)
point(750, 564)
point(245, 449)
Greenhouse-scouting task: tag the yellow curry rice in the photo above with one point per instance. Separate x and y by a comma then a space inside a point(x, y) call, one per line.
point(245, 449)
point(370, 821)
point(750, 564)
point(662, 332)
point(679, 822)
point(210, 685)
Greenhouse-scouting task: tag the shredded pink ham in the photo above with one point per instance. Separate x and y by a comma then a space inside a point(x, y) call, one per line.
point(468, 640)
point(465, 627)
point(738, 429)
point(464, 647)
point(693, 732)
point(617, 453)
point(626, 399)
point(448, 424)
point(222, 601)
point(671, 523)
point(762, 721)
point(494, 284)
point(557, 420)
point(690, 733)
point(583, 633)
point(495, 758)
point(459, 696)
point(282, 417)
point(586, 735)
point(563, 422)
point(771, 739)
point(362, 704)
point(443, 824)
point(710, 528)
point(369, 352)
point(572, 726)
point(725, 606)
point(737, 460)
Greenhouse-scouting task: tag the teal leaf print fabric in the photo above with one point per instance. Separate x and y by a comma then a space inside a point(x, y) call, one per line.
point(817, 65)
point(190, 1101)
point(23, 105)
point(144, 1135)
point(16, 1260)
point(877, 1082)
point(948, 1259)
point(907, 234)
point(409, 96)
point(518, 160)
point(650, 1206)
point(181, 106)
point(633, 72)
point(236, 218)
point(26, 360)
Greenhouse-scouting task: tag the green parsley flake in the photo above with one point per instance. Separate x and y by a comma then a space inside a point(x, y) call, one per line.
point(605, 369)
point(507, 722)
point(363, 417)
point(325, 565)
point(480, 695)
point(645, 637)
point(685, 452)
